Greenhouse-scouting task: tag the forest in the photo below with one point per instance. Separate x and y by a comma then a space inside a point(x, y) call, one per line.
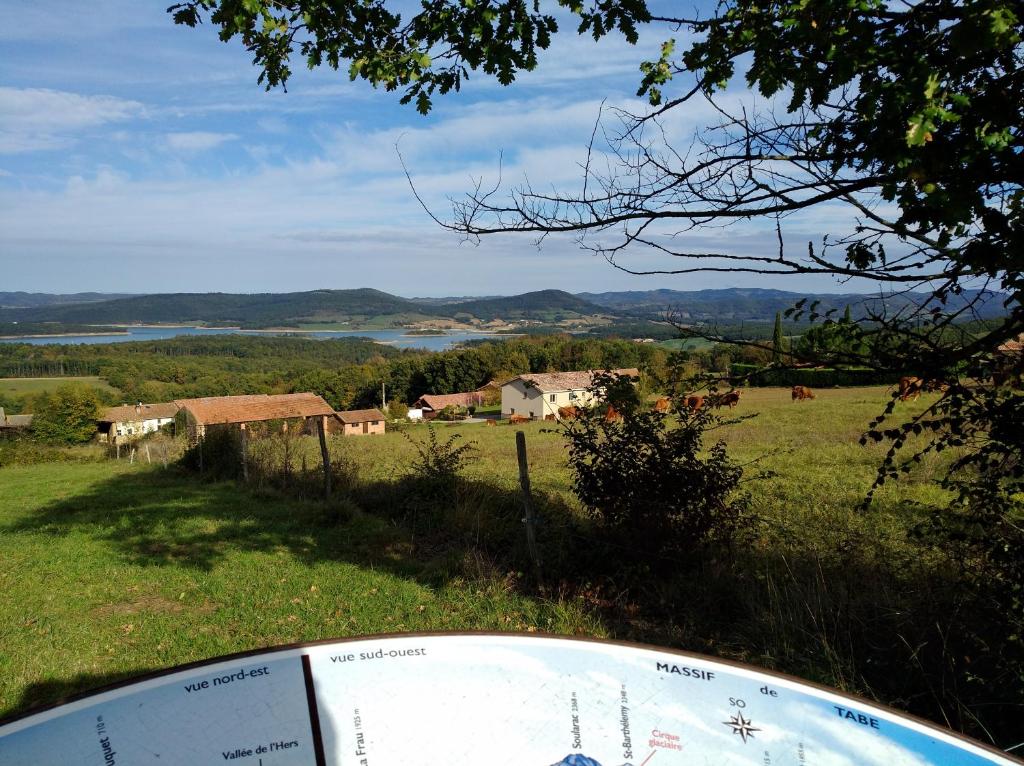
point(347, 372)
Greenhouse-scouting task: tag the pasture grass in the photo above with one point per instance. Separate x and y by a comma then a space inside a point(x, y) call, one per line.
point(108, 570)
point(30, 386)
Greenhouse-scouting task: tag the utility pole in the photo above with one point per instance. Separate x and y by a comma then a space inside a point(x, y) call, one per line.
point(383, 400)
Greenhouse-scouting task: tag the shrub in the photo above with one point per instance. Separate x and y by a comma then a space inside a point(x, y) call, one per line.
point(68, 415)
point(437, 465)
point(646, 480)
point(218, 455)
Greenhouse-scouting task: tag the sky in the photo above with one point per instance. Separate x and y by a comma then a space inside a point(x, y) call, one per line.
point(139, 156)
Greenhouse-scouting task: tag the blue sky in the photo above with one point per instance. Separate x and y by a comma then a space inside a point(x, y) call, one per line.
point(137, 156)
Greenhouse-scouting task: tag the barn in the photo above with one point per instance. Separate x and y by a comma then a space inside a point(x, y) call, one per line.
point(197, 415)
point(539, 395)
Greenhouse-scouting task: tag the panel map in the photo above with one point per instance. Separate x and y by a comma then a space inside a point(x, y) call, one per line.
point(500, 700)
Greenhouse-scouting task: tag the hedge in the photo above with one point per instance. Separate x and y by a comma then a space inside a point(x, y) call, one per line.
point(812, 377)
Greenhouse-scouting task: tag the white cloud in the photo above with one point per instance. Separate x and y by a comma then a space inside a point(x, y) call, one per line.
point(197, 140)
point(34, 119)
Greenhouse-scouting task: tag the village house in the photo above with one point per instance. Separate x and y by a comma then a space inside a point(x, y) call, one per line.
point(131, 421)
point(197, 415)
point(429, 406)
point(358, 422)
point(539, 395)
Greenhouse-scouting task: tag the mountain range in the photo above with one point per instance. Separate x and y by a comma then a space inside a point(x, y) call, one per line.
point(359, 306)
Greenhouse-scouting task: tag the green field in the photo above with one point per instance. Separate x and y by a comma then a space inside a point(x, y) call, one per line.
point(30, 386)
point(109, 570)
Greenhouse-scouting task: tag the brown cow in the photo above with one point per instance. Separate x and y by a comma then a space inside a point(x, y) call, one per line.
point(492, 422)
point(567, 413)
point(694, 402)
point(662, 405)
point(516, 419)
point(802, 392)
point(730, 399)
point(611, 415)
point(910, 388)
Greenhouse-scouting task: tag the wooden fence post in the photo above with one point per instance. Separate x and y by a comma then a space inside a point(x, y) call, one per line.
point(148, 460)
point(244, 449)
point(528, 518)
point(325, 455)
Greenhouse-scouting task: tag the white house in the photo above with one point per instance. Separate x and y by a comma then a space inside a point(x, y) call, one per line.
point(130, 421)
point(539, 395)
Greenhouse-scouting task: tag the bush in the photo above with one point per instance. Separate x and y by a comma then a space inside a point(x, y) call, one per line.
point(68, 415)
point(25, 451)
point(436, 468)
point(644, 480)
point(218, 455)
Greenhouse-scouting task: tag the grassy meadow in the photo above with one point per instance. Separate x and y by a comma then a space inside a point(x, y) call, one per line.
point(18, 387)
point(109, 569)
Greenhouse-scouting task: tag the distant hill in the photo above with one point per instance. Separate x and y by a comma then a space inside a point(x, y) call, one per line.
point(29, 300)
point(368, 307)
point(258, 309)
point(270, 309)
point(540, 305)
point(761, 305)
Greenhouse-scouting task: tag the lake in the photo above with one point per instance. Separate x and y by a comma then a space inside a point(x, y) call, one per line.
point(396, 338)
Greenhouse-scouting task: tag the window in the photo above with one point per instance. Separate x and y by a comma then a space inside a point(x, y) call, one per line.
point(375, 422)
point(572, 395)
point(551, 398)
point(512, 411)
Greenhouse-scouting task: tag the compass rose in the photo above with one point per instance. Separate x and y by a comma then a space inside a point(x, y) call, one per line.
point(741, 726)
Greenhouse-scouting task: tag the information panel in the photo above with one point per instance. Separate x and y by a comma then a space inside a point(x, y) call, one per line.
point(470, 700)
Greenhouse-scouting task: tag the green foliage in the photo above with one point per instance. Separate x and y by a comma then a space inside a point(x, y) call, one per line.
point(23, 450)
point(756, 375)
point(427, 52)
point(435, 469)
point(778, 340)
point(67, 415)
point(453, 412)
point(648, 479)
point(397, 410)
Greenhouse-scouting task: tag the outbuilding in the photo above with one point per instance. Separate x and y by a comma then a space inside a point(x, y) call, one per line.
point(13, 424)
point(359, 422)
point(199, 414)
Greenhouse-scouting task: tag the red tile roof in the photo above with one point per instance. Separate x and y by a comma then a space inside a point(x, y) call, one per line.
point(567, 381)
point(253, 408)
point(438, 402)
point(1013, 346)
point(132, 413)
point(359, 416)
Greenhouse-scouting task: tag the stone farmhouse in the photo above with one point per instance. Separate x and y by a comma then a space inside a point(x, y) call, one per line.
point(197, 415)
point(539, 395)
point(132, 421)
